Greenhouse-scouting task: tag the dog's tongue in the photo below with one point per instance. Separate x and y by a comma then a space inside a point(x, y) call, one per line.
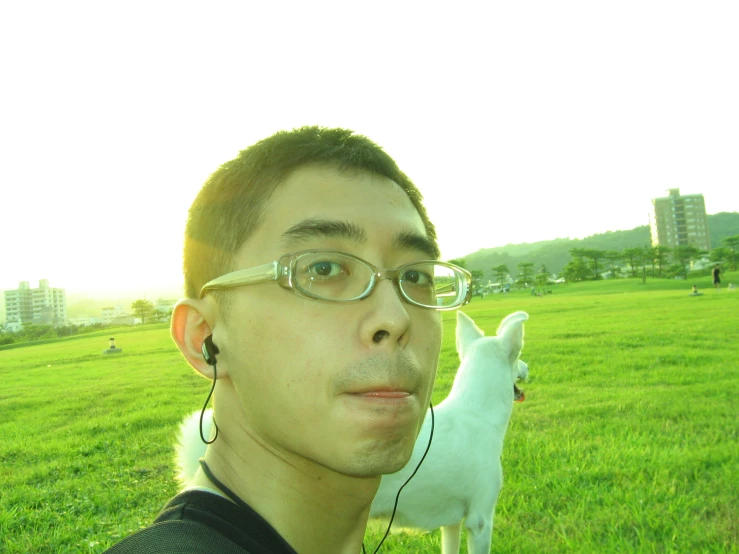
point(518, 395)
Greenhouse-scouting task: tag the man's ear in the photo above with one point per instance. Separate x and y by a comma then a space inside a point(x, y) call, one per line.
point(192, 323)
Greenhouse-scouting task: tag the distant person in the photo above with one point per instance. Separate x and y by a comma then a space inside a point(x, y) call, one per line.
point(695, 291)
point(716, 277)
point(313, 294)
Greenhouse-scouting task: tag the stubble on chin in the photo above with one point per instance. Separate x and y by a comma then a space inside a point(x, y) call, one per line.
point(381, 459)
point(389, 452)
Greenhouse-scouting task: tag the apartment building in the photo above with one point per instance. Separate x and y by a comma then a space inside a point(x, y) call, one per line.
point(679, 220)
point(43, 306)
point(111, 313)
point(164, 305)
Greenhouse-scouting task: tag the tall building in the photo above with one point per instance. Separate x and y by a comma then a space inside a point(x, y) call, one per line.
point(43, 306)
point(679, 220)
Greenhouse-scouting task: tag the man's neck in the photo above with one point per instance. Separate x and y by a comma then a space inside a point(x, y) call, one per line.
point(313, 508)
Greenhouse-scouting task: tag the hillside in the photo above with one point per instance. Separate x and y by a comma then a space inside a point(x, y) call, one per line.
point(554, 254)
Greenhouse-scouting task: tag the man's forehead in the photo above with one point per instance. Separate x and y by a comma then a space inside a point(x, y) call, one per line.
point(321, 175)
point(356, 196)
point(319, 202)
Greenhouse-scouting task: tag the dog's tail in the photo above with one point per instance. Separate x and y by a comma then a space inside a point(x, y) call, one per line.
point(189, 448)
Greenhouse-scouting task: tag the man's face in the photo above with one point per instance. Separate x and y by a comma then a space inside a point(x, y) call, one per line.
point(344, 385)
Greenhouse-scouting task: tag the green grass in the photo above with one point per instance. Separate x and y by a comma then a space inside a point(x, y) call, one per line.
point(627, 441)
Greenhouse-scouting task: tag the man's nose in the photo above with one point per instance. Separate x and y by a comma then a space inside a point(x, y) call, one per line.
point(387, 321)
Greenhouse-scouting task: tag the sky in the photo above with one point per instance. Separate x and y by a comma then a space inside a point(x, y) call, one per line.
point(518, 121)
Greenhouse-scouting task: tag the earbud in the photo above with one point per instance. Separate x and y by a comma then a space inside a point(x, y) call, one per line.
point(209, 350)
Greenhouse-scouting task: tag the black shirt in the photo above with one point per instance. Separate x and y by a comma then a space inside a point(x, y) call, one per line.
point(200, 522)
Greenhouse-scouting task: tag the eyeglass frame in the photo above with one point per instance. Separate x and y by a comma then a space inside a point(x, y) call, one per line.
point(281, 270)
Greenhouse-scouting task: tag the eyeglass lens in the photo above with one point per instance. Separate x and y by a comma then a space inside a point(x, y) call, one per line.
point(430, 284)
point(333, 276)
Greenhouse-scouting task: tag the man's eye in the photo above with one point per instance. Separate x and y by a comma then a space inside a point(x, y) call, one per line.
point(326, 269)
point(417, 277)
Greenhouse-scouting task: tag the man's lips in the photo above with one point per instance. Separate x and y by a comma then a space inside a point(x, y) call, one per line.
point(381, 389)
point(382, 400)
point(383, 393)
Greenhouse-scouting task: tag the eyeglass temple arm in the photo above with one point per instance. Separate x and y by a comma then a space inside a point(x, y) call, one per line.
point(250, 276)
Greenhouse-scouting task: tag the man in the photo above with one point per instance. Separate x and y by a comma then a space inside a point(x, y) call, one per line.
point(323, 362)
point(716, 273)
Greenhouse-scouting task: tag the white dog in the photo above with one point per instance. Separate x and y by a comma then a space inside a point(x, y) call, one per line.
point(461, 477)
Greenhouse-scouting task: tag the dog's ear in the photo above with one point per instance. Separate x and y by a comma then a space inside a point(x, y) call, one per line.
point(467, 333)
point(510, 333)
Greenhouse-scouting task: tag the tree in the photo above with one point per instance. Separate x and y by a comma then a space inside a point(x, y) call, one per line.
point(526, 271)
point(542, 278)
point(576, 270)
point(732, 243)
point(477, 276)
point(720, 255)
point(501, 273)
point(459, 261)
point(577, 252)
point(159, 315)
point(682, 255)
point(35, 331)
point(594, 255)
point(647, 254)
point(658, 258)
point(613, 256)
point(633, 257)
point(142, 309)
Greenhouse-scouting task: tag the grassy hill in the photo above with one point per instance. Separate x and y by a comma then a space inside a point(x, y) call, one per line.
point(627, 441)
point(554, 254)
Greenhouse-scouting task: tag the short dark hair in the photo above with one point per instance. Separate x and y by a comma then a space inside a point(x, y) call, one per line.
point(230, 205)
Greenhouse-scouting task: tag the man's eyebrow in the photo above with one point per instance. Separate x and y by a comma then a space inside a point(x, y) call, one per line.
point(413, 241)
point(322, 228)
point(312, 228)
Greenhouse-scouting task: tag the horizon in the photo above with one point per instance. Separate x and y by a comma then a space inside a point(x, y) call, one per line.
point(175, 291)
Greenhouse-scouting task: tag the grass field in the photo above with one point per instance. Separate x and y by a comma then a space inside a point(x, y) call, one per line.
point(627, 441)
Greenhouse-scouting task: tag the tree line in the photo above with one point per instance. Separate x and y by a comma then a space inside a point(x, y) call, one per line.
point(591, 264)
point(143, 309)
point(34, 331)
point(503, 275)
point(655, 261)
point(555, 254)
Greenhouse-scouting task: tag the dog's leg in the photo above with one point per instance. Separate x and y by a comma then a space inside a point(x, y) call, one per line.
point(479, 536)
point(450, 537)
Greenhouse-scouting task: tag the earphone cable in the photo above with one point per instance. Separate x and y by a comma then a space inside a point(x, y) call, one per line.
point(397, 496)
point(202, 412)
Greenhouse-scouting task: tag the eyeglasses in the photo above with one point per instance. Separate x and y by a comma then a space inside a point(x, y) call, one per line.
point(339, 277)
